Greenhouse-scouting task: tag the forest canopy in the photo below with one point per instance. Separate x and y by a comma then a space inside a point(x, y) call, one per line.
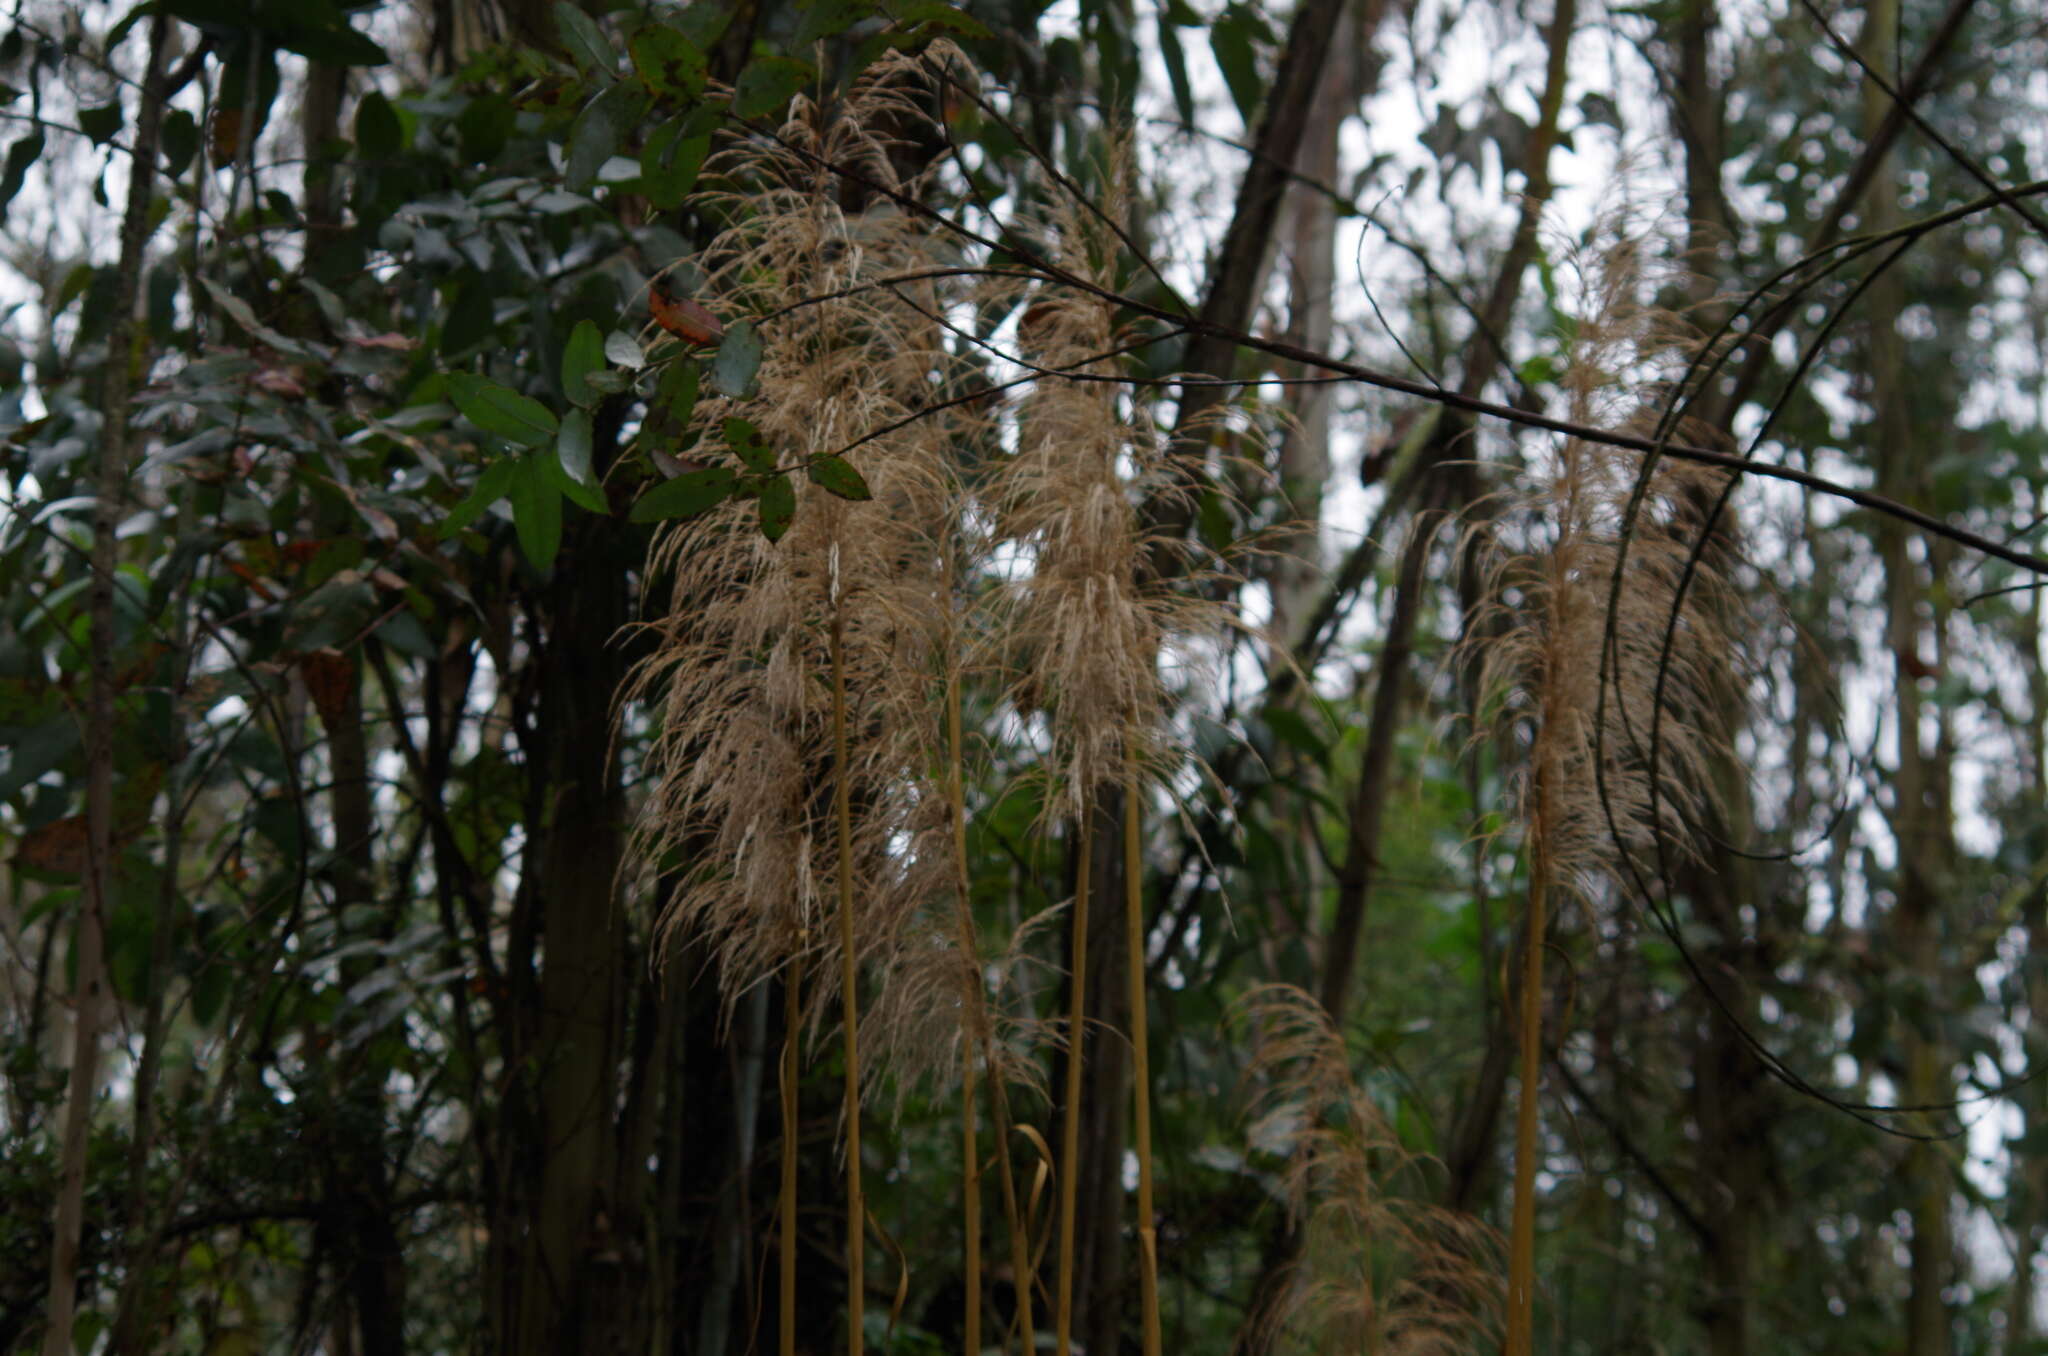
point(1285, 675)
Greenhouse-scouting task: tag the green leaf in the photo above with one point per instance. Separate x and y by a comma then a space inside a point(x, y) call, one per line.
point(926, 15)
point(1214, 521)
point(675, 400)
point(318, 30)
point(739, 358)
point(33, 751)
point(494, 484)
point(624, 349)
point(704, 21)
point(537, 511)
point(669, 64)
point(585, 41)
point(581, 356)
point(669, 164)
point(377, 128)
point(677, 390)
point(767, 83)
point(100, 123)
point(1231, 39)
point(837, 476)
point(20, 156)
point(592, 140)
point(569, 468)
point(484, 126)
point(688, 494)
point(1176, 61)
point(745, 441)
point(778, 507)
point(240, 312)
point(573, 446)
point(1291, 729)
point(500, 410)
point(828, 19)
point(179, 140)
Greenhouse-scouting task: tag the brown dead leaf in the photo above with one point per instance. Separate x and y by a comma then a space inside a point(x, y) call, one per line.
point(58, 847)
point(282, 382)
point(399, 342)
point(330, 681)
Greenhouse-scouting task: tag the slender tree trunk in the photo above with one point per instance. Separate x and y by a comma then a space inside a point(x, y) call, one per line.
point(572, 1282)
point(2028, 1200)
point(1920, 822)
point(89, 994)
point(1369, 797)
point(359, 1184)
point(1296, 576)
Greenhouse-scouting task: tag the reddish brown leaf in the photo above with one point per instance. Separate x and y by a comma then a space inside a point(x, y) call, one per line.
point(58, 847)
point(224, 133)
point(683, 318)
point(330, 682)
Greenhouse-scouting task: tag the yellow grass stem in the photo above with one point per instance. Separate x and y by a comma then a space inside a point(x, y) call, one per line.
point(970, 1211)
point(1521, 1325)
point(1022, 1267)
point(856, 1210)
point(970, 955)
point(1141, 1059)
point(792, 1021)
point(1070, 1135)
point(981, 1040)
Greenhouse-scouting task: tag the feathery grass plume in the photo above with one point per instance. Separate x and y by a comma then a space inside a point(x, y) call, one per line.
point(1080, 629)
point(1382, 1269)
point(1605, 658)
point(796, 731)
point(741, 671)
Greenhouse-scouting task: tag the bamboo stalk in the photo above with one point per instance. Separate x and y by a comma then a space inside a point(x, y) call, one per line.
point(1070, 1135)
point(856, 1212)
point(1141, 1080)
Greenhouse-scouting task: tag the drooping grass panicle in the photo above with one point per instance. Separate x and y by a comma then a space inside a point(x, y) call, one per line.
point(1603, 659)
point(1609, 633)
point(741, 671)
point(1382, 1268)
point(796, 741)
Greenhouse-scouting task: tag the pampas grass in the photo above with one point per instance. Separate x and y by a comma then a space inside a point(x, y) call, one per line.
point(1381, 1270)
point(790, 676)
point(1082, 632)
point(809, 757)
point(1600, 659)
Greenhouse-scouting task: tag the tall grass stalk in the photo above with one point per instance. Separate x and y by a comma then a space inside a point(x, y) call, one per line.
point(1070, 1131)
point(792, 1024)
point(795, 740)
point(1608, 664)
point(978, 1036)
point(1141, 1067)
point(1522, 1229)
point(849, 976)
